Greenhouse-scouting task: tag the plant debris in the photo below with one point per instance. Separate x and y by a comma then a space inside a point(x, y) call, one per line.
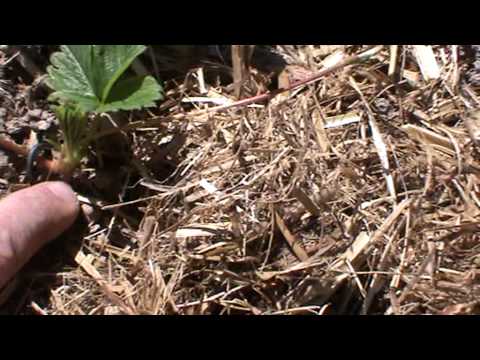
point(289, 180)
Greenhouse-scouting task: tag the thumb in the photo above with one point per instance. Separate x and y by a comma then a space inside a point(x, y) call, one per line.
point(29, 219)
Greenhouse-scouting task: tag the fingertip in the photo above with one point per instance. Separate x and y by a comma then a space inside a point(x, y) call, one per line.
point(65, 194)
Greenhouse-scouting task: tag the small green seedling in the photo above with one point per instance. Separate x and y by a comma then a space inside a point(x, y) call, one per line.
point(91, 79)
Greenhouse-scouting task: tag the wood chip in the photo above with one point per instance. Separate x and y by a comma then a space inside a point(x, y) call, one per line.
point(334, 59)
point(412, 77)
point(319, 126)
point(438, 142)
point(241, 56)
point(427, 62)
point(342, 120)
point(460, 309)
point(201, 230)
point(295, 245)
point(472, 122)
point(392, 65)
point(306, 201)
point(363, 242)
point(84, 262)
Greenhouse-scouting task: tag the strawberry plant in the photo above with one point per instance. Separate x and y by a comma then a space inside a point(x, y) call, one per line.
point(91, 79)
point(74, 137)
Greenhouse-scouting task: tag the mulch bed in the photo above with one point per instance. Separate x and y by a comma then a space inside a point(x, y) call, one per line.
point(354, 194)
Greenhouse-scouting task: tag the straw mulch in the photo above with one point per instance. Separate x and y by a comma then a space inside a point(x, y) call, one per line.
point(355, 194)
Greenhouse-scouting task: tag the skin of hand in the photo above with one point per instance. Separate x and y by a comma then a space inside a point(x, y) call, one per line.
point(29, 219)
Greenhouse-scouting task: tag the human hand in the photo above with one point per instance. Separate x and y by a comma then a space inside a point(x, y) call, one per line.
point(29, 219)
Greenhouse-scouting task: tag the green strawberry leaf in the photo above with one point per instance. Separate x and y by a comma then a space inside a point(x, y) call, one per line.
point(91, 76)
point(128, 93)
